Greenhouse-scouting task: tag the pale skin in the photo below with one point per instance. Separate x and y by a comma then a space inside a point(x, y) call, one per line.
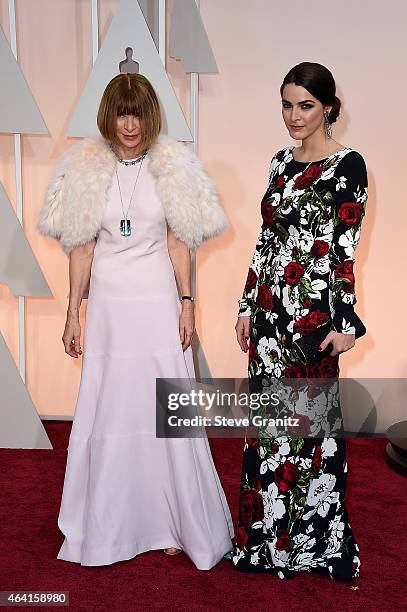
point(303, 116)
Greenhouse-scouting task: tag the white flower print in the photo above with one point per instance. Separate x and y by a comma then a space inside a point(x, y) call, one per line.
point(270, 315)
point(254, 559)
point(256, 263)
point(347, 328)
point(288, 155)
point(328, 173)
point(317, 286)
point(288, 301)
point(264, 349)
point(274, 460)
point(349, 242)
point(341, 184)
point(321, 266)
point(281, 167)
point(273, 506)
point(275, 199)
point(273, 166)
point(304, 240)
point(329, 447)
point(301, 484)
point(305, 463)
point(279, 557)
point(303, 560)
point(288, 189)
point(348, 298)
point(336, 529)
point(304, 541)
point(326, 231)
point(321, 495)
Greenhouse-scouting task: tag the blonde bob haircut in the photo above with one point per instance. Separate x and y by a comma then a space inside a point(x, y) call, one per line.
point(130, 94)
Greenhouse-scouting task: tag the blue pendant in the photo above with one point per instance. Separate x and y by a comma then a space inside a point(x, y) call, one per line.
point(125, 227)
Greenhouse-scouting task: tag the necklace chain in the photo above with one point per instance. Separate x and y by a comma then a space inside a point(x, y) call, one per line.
point(129, 162)
point(125, 223)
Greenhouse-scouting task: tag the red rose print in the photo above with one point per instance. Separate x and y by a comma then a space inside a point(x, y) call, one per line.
point(319, 249)
point(307, 302)
point(267, 213)
point(286, 476)
point(310, 322)
point(346, 267)
point(316, 460)
point(252, 442)
point(304, 426)
point(251, 280)
point(306, 179)
point(327, 367)
point(293, 371)
point(252, 351)
point(295, 251)
point(241, 537)
point(280, 180)
point(256, 485)
point(265, 297)
point(293, 272)
point(283, 541)
point(345, 270)
point(350, 212)
point(251, 508)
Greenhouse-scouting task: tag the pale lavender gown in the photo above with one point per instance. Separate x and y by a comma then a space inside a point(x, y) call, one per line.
point(126, 491)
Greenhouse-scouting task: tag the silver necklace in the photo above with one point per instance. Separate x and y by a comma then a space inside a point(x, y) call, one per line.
point(129, 162)
point(125, 224)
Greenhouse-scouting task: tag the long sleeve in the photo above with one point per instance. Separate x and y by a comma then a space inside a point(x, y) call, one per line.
point(247, 299)
point(350, 208)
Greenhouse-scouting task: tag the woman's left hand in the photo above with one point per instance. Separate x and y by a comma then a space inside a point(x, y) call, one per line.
point(186, 324)
point(341, 342)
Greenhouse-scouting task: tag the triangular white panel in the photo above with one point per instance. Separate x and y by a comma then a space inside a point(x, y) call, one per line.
point(128, 29)
point(19, 268)
point(19, 112)
point(150, 12)
point(20, 425)
point(188, 39)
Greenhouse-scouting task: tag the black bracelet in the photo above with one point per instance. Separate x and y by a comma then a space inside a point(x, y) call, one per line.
point(187, 297)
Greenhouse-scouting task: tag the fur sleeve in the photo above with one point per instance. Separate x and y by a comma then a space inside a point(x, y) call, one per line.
point(51, 215)
point(212, 217)
point(214, 221)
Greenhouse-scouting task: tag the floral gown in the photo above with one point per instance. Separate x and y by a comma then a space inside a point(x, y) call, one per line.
point(292, 512)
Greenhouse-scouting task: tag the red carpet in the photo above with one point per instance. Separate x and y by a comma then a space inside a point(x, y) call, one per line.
point(31, 485)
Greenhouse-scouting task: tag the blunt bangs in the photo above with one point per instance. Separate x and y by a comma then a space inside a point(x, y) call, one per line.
point(130, 94)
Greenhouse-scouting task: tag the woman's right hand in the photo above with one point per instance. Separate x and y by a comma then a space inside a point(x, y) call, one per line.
point(72, 336)
point(242, 328)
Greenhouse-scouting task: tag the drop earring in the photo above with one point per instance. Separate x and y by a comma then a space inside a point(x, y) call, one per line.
point(327, 125)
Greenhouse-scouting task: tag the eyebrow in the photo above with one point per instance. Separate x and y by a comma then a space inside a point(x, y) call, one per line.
point(302, 101)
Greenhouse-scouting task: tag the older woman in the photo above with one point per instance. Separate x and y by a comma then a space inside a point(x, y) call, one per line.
point(127, 208)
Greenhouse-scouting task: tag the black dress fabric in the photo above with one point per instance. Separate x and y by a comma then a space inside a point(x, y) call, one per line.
point(292, 496)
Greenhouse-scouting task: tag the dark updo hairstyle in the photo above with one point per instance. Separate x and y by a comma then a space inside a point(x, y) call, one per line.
point(319, 81)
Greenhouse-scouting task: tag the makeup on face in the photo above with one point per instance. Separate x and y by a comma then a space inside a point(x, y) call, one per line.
point(302, 113)
point(129, 131)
